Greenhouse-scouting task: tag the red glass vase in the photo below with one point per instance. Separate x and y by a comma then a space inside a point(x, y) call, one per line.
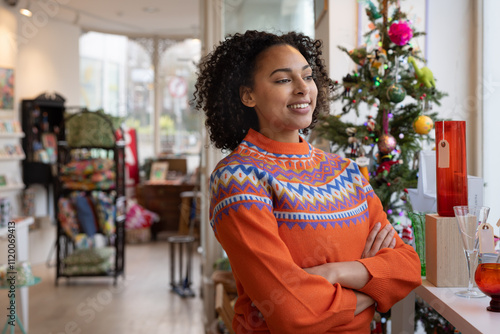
point(451, 166)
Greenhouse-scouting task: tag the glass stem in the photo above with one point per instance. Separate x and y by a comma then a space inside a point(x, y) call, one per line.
point(471, 284)
point(470, 271)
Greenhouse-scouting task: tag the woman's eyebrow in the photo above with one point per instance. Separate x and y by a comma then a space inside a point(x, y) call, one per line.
point(287, 69)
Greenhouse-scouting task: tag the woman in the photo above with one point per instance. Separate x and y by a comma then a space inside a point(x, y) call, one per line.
point(309, 244)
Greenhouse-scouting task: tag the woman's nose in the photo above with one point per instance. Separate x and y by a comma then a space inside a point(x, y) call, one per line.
point(302, 87)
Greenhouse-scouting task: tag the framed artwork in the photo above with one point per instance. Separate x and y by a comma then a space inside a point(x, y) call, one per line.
point(6, 88)
point(49, 142)
point(159, 171)
point(3, 181)
point(320, 8)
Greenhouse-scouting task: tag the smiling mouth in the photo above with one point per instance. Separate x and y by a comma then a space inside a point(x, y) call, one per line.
point(298, 106)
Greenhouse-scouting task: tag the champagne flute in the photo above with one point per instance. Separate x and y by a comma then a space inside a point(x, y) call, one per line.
point(468, 219)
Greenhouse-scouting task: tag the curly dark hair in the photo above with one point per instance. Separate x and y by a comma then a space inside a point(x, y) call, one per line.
point(231, 65)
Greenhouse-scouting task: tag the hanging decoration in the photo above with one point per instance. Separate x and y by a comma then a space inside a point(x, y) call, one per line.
point(423, 75)
point(400, 33)
point(423, 125)
point(396, 93)
point(386, 144)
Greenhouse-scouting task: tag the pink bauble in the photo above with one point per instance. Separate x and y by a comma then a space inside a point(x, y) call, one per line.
point(386, 143)
point(400, 33)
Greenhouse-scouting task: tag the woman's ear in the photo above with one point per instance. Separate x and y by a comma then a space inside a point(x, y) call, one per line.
point(247, 97)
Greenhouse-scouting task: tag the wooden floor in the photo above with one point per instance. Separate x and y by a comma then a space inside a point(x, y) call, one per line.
point(140, 303)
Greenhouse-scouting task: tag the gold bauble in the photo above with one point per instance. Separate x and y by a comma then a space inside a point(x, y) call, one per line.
point(423, 125)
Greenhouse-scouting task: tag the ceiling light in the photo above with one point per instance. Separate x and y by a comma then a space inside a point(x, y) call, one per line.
point(26, 10)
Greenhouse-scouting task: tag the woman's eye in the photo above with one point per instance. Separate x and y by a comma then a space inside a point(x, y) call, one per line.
point(283, 81)
point(309, 78)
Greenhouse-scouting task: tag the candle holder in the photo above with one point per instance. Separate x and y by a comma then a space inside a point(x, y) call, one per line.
point(487, 278)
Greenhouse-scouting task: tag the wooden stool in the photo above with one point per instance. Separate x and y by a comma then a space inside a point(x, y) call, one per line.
point(181, 244)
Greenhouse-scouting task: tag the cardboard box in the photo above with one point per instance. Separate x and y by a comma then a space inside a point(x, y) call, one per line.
point(475, 189)
point(446, 265)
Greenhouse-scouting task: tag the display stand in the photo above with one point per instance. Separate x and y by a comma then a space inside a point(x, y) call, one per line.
point(43, 124)
point(85, 148)
point(444, 254)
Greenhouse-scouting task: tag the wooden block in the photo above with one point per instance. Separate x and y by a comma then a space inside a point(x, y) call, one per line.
point(446, 265)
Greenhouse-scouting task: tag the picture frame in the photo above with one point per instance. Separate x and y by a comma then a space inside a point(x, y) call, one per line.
point(320, 9)
point(49, 142)
point(159, 170)
point(6, 89)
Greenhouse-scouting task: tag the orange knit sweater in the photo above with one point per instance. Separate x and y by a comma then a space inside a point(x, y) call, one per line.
point(277, 208)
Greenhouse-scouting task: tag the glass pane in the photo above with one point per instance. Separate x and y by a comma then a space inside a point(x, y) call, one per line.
point(102, 72)
point(270, 15)
point(180, 123)
point(91, 83)
point(140, 98)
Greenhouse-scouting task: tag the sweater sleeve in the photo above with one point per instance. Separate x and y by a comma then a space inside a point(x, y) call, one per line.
point(394, 272)
point(291, 300)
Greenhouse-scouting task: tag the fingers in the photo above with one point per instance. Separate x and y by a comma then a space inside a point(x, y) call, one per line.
point(384, 238)
point(378, 239)
point(371, 239)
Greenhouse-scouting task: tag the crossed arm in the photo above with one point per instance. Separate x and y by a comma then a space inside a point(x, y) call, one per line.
point(353, 274)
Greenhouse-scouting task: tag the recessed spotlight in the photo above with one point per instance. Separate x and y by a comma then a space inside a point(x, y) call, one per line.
point(26, 11)
point(151, 9)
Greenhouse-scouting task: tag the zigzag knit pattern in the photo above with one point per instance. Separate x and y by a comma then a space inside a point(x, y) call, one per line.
point(314, 188)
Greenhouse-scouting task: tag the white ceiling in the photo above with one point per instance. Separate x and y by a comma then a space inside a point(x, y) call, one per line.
point(170, 18)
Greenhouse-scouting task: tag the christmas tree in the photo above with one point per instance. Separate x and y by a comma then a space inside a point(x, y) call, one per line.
point(398, 91)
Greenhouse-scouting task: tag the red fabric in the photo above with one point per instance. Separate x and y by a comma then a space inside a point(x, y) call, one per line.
point(139, 217)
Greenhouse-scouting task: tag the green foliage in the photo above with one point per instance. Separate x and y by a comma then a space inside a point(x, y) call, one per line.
point(379, 68)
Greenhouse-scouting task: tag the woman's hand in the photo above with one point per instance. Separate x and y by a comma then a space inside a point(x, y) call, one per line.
point(378, 239)
point(362, 302)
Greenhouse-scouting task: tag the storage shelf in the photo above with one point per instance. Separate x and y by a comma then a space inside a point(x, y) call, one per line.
point(12, 187)
point(11, 134)
point(116, 153)
point(13, 158)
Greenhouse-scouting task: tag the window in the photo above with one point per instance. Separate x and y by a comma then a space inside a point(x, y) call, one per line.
point(117, 74)
point(490, 94)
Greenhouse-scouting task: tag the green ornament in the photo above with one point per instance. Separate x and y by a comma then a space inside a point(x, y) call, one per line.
point(373, 11)
point(396, 93)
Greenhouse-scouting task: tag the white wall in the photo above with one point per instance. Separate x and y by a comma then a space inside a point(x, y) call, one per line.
point(48, 60)
point(452, 58)
point(8, 29)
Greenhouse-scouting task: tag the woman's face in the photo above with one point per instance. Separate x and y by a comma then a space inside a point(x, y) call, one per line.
point(283, 94)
